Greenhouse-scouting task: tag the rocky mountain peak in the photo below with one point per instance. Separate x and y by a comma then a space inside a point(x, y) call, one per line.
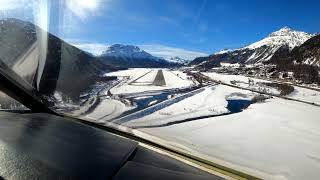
point(283, 31)
point(283, 37)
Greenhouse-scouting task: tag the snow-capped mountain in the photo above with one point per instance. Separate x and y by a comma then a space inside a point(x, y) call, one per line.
point(131, 56)
point(308, 53)
point(223, 51)
point(258, 52)
point(282, 37)
point(172, 54)
point(127, 51)
point(177, 59)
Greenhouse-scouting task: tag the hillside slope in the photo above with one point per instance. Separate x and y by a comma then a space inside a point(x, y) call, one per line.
point(66, 68)
point(258, 52)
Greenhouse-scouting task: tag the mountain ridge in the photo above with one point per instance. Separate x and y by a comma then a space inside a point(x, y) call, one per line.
point(130, 56)
point(308, 53)
point(257, 52)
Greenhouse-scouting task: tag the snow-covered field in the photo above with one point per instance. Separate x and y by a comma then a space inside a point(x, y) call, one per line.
point(108, 109)
point(243, 81)
point(136, 80)
point(211, 101)
point(273, 140)
point(146, 79)
point(176, 79)
point(299, 93)
point(139, 83)
point(132, 73)
point(226, 78)
point(308, 95)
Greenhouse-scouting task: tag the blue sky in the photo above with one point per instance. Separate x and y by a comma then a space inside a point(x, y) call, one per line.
point(194, 25)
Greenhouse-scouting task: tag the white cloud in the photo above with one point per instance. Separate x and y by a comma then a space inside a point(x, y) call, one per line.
point(36, 11)
point(85, 8)
point(168, 52)
point(93, 48)
point(6, 5)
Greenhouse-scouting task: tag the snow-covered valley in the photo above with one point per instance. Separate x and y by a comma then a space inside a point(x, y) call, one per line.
point(270, 136)
point(272, 140)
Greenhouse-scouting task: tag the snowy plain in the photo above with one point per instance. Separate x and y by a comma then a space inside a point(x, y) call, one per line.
point(138, 83)
point(273, 140)
point(299, 93)
point(276, 139)
point(308, 95)
point(138, 80)
point(108, 109)
point(211, 101)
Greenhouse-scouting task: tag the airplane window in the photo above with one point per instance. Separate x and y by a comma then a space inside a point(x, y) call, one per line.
point(235, 83)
